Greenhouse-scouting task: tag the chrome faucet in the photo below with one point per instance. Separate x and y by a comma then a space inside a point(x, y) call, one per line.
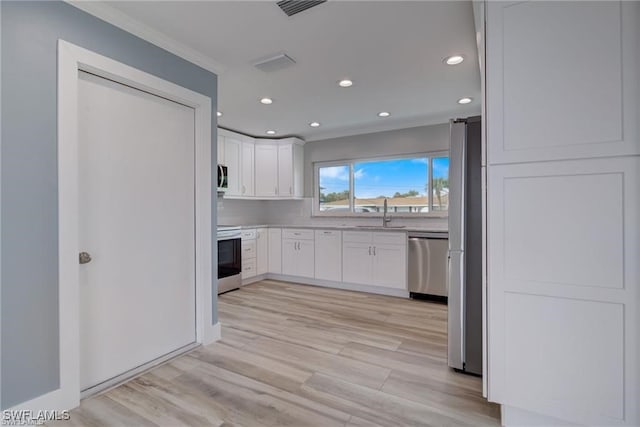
point(385, 219)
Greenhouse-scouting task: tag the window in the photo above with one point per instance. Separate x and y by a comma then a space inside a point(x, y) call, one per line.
point(413, 185)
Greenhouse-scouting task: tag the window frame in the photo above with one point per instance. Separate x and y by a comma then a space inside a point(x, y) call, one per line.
point(430, 155)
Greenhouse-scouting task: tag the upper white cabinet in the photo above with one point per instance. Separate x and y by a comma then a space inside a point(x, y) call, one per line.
point(262, 168)
point(566, 82)
point(290, 168)
point(233, 162)
point(266, 170)
point(247, 169)
point(378, 259)
point(279, 168)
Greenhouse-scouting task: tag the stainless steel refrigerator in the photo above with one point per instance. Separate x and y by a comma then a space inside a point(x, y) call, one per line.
point(465, 246)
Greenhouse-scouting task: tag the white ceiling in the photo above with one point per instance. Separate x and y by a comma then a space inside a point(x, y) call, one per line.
point(392, 50)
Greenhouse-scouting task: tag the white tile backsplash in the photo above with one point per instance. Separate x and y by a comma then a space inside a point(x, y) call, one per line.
point(298, 212)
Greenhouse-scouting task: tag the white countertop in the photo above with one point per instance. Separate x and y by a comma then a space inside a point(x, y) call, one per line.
point(408, 228)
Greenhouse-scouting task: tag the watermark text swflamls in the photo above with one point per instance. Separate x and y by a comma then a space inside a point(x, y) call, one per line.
point(25, 417)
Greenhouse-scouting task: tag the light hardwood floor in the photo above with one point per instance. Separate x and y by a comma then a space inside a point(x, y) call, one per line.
point(295, 355)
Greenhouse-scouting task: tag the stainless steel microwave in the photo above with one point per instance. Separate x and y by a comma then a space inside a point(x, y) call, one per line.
point(223, 175)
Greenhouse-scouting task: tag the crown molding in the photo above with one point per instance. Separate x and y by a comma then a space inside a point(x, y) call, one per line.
point(121, 20)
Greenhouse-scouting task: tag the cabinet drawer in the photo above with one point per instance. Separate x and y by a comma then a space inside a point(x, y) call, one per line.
point(248, 234)
point(390, 238)
point(248, 268)
point(357, 237)
point(248, 249)
point(320, 233)
point(298, 234)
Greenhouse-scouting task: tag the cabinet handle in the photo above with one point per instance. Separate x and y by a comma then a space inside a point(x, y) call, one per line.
point(369, 250)
point(290, 190)
point(374, 251)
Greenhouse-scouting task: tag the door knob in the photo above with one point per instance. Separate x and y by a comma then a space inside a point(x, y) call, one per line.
point(84, 257)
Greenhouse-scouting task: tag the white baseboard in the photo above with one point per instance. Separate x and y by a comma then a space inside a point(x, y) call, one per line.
point(402, 293)
point(512, 416)
point(214, 334)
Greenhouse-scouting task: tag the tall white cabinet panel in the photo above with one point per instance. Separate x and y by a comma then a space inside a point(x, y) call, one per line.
point(266, 165)
point(247, 170)
point(233, 161)
point(328, 252)
point(220, 149)
point(566, 86)
point(563, 210)
point(285, 170)
point(275, 250)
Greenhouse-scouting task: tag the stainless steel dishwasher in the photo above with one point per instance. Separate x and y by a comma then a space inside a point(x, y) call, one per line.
point(428, 265)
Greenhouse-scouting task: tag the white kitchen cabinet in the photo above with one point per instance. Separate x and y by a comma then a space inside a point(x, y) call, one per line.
point(298, 253)
point(233, 161)
point(247, 169)
point(357, 263)
point(220, 148)
point(378, 259)
point(275, 250)
point(290, 168)
point(266, 169)
point(328, 255)
point(262, 251)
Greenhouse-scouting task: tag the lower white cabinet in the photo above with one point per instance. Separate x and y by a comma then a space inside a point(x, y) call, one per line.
point(248, 248)
point(262, 251)
point(298, 252)
point(378, 259)
point(275, 251)
point(328, 255)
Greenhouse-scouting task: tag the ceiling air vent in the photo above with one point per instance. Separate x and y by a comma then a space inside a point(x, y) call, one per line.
point(274, 63)
point(291, 7)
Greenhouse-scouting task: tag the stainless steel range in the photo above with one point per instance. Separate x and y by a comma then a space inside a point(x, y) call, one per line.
point(229, 258)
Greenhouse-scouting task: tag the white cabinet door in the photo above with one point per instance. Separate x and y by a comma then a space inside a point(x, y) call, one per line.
point(266, 169)
point(232, 157)
point(357, 263)
point(262, 251)
point(289, 257)
point(247, 181)
point(275, 250)
point(328, 255)
point(390, 266)
point(220, 147)
point(305, 259)
point(285, 170)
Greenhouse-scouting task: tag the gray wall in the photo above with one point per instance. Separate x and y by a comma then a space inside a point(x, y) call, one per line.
point(404, 141)
point(29, 275)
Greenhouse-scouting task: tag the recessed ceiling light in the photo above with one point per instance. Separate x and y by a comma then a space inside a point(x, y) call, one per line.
point(345, 83)
point(464, 100)
point(266, 101)
point(219, 113)
point(271, 132)
point(384, 114)
point(454, 60)
point(314, 124)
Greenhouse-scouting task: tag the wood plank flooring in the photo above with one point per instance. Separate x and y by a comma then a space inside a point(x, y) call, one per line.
point(295, 355)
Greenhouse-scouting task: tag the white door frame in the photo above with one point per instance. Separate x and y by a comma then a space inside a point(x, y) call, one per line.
point(72, 59)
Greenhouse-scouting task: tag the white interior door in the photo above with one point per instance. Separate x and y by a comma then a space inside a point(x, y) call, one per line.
point(136, 210)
